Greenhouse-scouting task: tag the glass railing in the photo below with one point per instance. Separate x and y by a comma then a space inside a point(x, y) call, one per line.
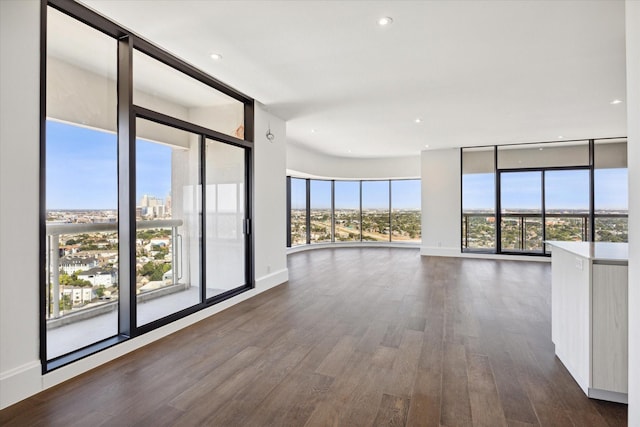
point(522, 232)
point(82, 267)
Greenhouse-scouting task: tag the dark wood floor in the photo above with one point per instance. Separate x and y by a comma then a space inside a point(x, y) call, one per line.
point(373, 336)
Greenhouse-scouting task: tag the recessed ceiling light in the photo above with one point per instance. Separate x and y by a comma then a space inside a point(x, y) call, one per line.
point(313, 131)
point(426, 146)
point(348, 151)
point(616, 101)
point(216, 56)
point(540, 148)
point(560, 137)
point(418, 120)
point(384, 21)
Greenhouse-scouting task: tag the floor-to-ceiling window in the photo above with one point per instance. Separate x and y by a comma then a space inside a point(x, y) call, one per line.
point(375, 211)
point(320, 211)
point(298, 212)
point(353, 211)
point(570, 190)
point(478, 199)
point(347, 211)
point(611, 182)
point(146, 189)
point(406, 210)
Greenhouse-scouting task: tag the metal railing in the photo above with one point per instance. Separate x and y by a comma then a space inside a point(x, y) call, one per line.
point(55, 230)
point(469, 238)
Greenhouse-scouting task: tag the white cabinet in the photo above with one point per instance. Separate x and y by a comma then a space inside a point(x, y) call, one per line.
point(589, 312)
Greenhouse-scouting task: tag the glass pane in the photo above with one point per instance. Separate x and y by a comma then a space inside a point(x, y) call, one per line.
point(81, 186)
point(572, 153)
point(225, 208)
point(161, 88)
point(406, 211)
point(298, 211)
point(521, 209)
point(567, 205)
point(167, 222)
point(347, 211)
point(611, 204)
point(320, 211)
point(375, 211)
point(611, 191)
point(478, 199)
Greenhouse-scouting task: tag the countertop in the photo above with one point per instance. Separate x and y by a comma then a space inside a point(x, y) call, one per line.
point(595, 251)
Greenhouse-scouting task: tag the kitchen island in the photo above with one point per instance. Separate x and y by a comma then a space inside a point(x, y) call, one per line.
point(589, 309)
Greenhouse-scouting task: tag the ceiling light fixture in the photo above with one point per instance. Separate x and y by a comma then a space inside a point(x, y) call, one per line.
point(216, 56)
point(616, 101)
point(560, 137)
point(313, 131)
point(384, 21)
point(426, 146)
point(418, 120)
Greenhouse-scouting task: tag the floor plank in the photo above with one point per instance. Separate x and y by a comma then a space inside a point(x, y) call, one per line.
point(357, 337)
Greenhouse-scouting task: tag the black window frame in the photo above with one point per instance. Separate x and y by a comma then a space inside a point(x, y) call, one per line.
point(333, 215)
point(127, 114)
point(497, 171)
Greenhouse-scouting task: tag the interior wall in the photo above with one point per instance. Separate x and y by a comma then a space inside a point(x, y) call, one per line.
point(306, 163)
point(633, 151)
point(19, 204)
point(270, 228)
point(20, 367)
point(440, 202)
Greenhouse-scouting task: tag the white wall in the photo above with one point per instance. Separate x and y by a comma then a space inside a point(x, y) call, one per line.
point(633, 147)
point(20, 368)
point(441, 202)
point(306, 163)
point(270, 200)
point(19, 171)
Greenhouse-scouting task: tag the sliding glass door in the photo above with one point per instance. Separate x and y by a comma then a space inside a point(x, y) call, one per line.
point(167, 221)
point(521, 211)
point(226, 225)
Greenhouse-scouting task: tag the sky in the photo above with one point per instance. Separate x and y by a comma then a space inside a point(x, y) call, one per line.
point(375, 194)
point(82, 170)
point(564, 190)
point(81, 173)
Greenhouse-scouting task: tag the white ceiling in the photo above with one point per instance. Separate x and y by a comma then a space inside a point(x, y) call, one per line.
point(475, 72)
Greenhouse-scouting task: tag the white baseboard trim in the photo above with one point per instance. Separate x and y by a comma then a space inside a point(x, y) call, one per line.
point(456, 253)
point(273, 279)
point(19, 383)
point(611, 396)
point(301, 248)
point(439, 251)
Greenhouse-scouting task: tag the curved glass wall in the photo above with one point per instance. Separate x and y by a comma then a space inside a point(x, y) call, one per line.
point(354, 211)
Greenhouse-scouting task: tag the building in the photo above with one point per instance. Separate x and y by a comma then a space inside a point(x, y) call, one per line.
point(78, 295)
point(72, 264)
point(438, 166)
point(100, 277)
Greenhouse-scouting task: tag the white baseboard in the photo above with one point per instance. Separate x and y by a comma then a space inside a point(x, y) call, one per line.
point(19, 383)
point(456, 253)
point(439, 251)
point(273, 279)
point(611, 396)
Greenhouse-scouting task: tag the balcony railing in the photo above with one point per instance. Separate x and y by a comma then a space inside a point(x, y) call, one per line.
point(524, 233)
point(55, 230)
